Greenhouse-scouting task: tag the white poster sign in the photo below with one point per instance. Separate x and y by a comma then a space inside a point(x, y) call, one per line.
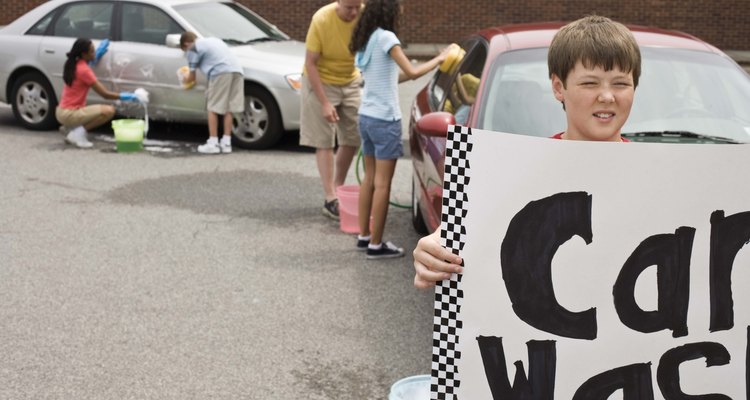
point(593, 270)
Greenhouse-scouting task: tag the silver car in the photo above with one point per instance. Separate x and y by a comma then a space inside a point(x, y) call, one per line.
point(144, 52)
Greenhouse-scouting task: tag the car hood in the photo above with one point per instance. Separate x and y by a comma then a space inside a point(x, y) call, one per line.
point(285, 56)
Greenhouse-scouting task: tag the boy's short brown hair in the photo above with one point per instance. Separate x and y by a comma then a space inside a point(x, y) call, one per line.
point(187, 37)
point(594, 41)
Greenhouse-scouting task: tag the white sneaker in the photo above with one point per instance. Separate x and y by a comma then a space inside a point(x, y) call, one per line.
point(225, 146)
point(211, 147)
point(77, 137)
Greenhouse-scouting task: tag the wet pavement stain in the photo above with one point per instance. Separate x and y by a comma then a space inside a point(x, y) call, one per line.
point(272, 197)
point(331, 379)
point(160, 148)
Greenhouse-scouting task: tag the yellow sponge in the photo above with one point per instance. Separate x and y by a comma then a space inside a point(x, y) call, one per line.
point(452, 59)
point(182, 74)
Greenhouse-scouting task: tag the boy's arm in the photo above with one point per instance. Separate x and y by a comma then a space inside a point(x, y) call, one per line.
point(433, 262)
point(313, 76)
point(193, 60)
point(190, 77)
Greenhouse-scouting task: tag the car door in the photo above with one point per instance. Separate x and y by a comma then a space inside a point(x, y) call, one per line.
point(448, 94)
point(140, 58)
point(92, 20)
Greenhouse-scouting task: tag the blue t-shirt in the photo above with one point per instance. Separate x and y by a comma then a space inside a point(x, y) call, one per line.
point(380, 72)
point(213, 57)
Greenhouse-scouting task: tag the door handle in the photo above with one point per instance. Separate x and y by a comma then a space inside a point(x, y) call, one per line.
point(49, 51)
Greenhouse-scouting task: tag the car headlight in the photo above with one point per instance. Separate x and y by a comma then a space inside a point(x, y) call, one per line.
point(294, 81)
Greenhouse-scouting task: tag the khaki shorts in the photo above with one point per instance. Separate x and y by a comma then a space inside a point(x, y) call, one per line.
point(71, 118)
point(226, 93)
point(315, 131)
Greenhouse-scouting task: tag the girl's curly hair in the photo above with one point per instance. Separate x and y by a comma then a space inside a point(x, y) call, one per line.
point(383, 14)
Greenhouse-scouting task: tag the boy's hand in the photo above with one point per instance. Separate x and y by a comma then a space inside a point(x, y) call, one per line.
point(330, 114)
point(433, 262)
point(100, 51)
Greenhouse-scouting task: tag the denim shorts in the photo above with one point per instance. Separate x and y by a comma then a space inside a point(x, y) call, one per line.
point(380, 138)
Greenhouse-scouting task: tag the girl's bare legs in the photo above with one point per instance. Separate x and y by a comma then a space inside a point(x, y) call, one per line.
point(366, 191)
point(384, 170)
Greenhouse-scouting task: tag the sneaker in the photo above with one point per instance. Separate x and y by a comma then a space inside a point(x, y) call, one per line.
point(225, 147)
point(211, 147)
point(77, 137)
point(386, 250)
point(363, 243)
point(331, 209)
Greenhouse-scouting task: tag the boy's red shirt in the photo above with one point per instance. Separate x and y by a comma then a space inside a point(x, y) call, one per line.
point(559, 136)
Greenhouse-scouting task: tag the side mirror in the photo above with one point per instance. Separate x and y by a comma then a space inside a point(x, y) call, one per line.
point(435, 124)
point(173, 40)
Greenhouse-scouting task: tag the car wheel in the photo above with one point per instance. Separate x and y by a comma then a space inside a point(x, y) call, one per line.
point(34, 102)
point(259, 126)
point(416, 214)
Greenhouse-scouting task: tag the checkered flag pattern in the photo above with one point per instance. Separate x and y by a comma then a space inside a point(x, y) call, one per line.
point(447, 293)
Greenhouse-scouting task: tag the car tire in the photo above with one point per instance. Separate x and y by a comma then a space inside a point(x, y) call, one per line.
point(416, 214)
point(34, 102)
point(259, 126)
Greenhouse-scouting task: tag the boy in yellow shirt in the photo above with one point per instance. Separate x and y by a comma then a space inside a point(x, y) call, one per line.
point(331, 96)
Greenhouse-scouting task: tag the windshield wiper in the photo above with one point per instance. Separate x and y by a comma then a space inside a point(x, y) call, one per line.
point(232, 41)
point(681, 134)
point(263, 39)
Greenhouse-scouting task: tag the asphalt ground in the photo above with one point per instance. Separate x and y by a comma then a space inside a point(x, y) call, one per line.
point(174, 275)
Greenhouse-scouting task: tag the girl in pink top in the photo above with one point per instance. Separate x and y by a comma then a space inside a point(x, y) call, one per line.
point(73, 113)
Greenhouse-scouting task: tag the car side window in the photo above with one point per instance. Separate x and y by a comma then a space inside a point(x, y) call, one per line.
point(146, 24)
point(90, 20)
point(41, 27)
point(438, 87)
point(465, 83)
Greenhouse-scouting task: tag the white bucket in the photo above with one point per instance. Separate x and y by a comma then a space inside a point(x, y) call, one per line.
point(415, 387)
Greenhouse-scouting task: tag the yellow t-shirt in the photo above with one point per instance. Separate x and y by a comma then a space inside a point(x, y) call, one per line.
point(471, 84)
point(329, 36)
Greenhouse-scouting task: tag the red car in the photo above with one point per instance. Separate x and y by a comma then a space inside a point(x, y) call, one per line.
point(689, 92)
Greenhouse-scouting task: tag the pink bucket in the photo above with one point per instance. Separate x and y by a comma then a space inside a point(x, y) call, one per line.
point(348, 208)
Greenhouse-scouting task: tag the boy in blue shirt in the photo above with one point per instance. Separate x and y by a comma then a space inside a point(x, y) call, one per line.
point(225, 92)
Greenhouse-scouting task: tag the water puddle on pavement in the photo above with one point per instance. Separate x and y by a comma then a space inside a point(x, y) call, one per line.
point(156, 147)
point(273, 197)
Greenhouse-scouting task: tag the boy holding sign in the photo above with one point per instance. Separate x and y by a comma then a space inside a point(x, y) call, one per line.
point(594, 65)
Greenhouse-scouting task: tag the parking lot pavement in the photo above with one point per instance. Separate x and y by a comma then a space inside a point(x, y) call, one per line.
point(145, 276)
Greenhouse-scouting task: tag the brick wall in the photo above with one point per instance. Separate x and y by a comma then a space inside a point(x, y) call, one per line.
point(12, 9)
point(724, 23)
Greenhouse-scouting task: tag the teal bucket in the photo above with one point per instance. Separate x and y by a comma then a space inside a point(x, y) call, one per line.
point(412, 388)
point(128, 135)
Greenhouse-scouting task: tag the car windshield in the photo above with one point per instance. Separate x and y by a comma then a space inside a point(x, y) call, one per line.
point(682, 96)
point(230, 22)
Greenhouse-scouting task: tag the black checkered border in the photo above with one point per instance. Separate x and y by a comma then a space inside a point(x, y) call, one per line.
point(447, 324)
